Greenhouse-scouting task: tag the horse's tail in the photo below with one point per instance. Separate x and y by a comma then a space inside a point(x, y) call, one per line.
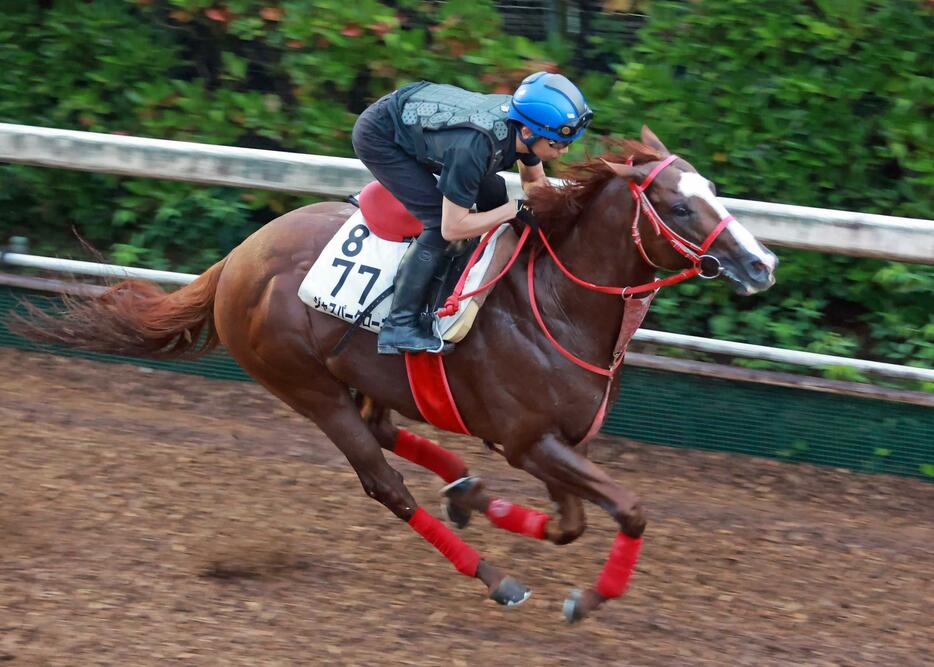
point(133, 318)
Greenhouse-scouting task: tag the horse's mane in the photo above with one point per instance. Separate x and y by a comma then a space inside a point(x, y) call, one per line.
point(559, 207)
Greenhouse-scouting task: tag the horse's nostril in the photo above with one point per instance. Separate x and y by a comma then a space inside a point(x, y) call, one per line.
point(758, 269)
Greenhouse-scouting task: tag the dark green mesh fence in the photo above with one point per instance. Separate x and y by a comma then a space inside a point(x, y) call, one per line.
point(699, 412)
point(794, 424)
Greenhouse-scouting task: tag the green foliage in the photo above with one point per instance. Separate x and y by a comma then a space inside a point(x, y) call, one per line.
point(822, 103)
point(836, 305)
point(826, 104)
point(290, 76)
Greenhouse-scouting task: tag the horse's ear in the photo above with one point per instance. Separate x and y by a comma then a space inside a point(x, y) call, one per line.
point(628, 171)
point(650, 140)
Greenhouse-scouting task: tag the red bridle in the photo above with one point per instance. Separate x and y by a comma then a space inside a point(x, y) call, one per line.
point(696, 254)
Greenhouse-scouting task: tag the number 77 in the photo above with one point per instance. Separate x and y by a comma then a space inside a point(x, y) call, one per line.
point(363, 270)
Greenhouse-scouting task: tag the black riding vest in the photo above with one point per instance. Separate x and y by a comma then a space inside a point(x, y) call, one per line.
point(434, 106)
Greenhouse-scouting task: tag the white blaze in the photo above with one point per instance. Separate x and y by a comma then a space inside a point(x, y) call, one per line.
point(693, 184)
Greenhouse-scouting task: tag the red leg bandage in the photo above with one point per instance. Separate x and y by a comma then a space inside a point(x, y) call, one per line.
point(619, 566)
point(442, 538)
point(425, 453)
point(517, 519)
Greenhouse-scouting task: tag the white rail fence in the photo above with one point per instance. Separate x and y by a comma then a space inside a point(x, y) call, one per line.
point(733, 349)
point(858, 234)
point(842, 232)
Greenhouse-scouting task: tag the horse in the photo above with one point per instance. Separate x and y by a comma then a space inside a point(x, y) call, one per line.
point(616, 221)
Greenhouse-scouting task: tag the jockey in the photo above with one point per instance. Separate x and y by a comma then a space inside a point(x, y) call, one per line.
point(437, 149)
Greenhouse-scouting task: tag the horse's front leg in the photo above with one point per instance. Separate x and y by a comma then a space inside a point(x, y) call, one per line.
point(571, 471)
point(572, 522)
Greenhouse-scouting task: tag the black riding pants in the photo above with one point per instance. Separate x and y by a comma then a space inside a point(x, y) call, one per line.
point(411, 182)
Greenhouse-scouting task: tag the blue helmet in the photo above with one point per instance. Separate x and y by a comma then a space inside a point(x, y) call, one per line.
point(550, 106)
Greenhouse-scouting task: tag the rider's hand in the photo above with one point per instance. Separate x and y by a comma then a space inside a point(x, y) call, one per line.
point(524, 214)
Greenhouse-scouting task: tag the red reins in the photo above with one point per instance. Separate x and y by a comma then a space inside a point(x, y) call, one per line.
point(696, 254)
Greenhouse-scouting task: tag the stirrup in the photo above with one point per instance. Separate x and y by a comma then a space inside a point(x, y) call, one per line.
point(388, 348)
point(444, 349)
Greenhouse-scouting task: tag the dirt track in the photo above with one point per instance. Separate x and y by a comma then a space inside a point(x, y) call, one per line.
point(148, 518)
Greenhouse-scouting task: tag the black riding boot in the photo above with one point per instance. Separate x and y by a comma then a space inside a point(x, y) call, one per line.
point(402, 330)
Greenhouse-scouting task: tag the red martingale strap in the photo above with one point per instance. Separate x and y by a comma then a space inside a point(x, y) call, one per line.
point(429, 384)
point(427, 377)
point(634, 312)
point(626, 330)
point(607, 372)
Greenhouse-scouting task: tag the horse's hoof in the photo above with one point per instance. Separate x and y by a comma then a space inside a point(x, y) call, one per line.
point(456, 514)
point(510, 592)
point(459, 517)
point(572, 607)
point(460, 487)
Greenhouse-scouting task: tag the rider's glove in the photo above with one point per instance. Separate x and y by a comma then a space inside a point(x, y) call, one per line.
point(525, 215)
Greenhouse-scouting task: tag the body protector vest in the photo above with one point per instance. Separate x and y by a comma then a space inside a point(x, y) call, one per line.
point(433, 107)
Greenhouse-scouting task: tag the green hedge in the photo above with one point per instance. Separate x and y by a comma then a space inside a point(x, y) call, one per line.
point(823, 103)
point(290, 76)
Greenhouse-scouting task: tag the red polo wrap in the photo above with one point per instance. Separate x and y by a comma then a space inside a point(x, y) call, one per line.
point(619, 566)
point(442, 538)
point(517, 519)
point(427, 454)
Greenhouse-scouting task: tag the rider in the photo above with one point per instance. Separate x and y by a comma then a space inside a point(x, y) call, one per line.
point(419, 131)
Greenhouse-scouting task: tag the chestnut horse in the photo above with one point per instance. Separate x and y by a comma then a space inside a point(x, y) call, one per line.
point(620, 219)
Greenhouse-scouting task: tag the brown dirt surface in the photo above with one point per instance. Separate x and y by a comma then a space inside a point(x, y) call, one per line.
point(151, 518)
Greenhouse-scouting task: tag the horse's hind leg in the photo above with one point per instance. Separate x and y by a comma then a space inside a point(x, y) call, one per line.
point(419, 450)
point(332, 408)
point(465, 494)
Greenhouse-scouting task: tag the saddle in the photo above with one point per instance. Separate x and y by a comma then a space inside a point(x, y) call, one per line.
point(390, 220)
point(353, 276)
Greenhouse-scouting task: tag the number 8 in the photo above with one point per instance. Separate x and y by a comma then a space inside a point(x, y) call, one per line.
point(354, 244)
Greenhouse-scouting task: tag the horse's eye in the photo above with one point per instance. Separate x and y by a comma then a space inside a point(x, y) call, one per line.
point(680, 210)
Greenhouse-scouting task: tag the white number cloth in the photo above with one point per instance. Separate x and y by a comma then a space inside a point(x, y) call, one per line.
point(356, 266)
